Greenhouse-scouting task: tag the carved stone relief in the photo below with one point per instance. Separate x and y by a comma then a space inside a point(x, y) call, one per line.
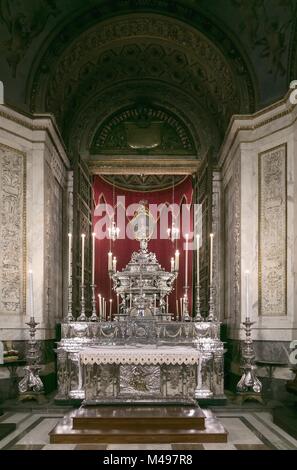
point(12, 230)
point(53, 254)
point(273, 232)
point(232, 245)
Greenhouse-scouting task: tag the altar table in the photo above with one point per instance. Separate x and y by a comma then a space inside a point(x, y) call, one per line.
point(139, 374)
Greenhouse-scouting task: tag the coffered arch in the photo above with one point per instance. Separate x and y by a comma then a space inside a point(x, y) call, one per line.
point(150, 56)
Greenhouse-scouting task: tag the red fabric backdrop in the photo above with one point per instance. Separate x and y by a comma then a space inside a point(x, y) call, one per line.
point(104, 192)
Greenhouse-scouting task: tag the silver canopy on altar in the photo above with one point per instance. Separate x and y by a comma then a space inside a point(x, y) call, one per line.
point(143, 323)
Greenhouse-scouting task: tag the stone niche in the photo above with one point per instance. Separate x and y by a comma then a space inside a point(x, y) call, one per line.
point(259, 191)
point(33, 194)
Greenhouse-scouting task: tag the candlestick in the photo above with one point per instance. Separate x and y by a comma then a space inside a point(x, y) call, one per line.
point(118, 304)
point(172, 264)
point(114, 264)
point(69, 314)
point(103, 309)
point(110, 308)
point(69, 259)
point(99, 307)
point(247, 273)
point(83, 236)
point(211, 260)
point(181, 306)
point(93, 258)
point(109, 261)
point(186, 263)
point(198, 261)
point(176, 260)
point(31, 304)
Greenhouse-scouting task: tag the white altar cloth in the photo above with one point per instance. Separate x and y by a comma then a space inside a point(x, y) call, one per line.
point(145, 355)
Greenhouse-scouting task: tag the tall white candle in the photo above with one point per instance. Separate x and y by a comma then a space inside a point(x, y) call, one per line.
point(186, 262)
point(176, 306)
point(100, 306)
point(110, 308)
point(172, 264)
point(109, 261)
point(105, 304)
point(211, 260)
point(167, 304)
point(69, 259)
point(155, 303)
point(181, 306)
point(247, 273)
point(114, 264)
point(93, 258)
point(83, 259)
point(176, 260)
point(31, 303)
point(118, 303)
point(198, 260)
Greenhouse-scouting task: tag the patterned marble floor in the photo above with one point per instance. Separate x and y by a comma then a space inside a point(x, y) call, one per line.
point(248, 430)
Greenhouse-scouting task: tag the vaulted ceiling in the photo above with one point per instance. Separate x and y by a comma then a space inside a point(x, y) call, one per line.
point(198, 61)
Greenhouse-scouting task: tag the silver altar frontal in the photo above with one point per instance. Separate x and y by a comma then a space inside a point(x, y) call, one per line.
point(143, 355)
point(147, 373)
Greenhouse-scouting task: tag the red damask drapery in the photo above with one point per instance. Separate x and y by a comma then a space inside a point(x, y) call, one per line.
point(104, 192)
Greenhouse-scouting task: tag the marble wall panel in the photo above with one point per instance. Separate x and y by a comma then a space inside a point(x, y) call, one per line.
point(12, 230)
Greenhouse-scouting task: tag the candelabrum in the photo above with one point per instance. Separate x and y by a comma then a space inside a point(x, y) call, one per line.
point(198, 316)
point(94, 314)
point(186, 316)
point(249, 382)
point(31, 383)
point(82, 316)
point(211, 313)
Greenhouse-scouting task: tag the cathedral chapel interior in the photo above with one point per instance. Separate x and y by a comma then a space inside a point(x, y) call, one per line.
point(148, 225)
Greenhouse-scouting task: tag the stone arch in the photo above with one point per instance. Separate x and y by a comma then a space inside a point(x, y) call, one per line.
point(147, 48)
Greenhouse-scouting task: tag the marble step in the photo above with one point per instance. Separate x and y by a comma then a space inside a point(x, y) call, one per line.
point(125, 417)
point(64, 433)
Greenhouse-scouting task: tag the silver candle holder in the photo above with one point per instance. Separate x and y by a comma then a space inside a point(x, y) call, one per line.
point(94, 316)
point(31, 386)
point(249, 385)
point(69, 313)
point(82, 316)
point(198, 316)
point(186, 316)
point(211, 312)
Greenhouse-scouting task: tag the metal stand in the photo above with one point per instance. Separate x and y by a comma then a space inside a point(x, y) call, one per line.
point(31, 386)
point(94, 314)
point(198, 316)
point(186, 316)
point(249, 386)
point(211, 314)
point(82, 316)
point(69, 314)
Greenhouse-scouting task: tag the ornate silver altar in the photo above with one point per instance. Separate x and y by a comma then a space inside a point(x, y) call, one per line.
point(142, 322)
point(208, 375)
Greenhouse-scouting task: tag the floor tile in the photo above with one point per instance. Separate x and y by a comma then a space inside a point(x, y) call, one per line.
point(251, 447)
point(139, 447)
point(90, 447)
point(187, 447)
point(40, 433)
point(217, 446)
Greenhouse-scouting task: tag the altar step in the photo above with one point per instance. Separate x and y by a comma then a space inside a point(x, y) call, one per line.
point(139, 425)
